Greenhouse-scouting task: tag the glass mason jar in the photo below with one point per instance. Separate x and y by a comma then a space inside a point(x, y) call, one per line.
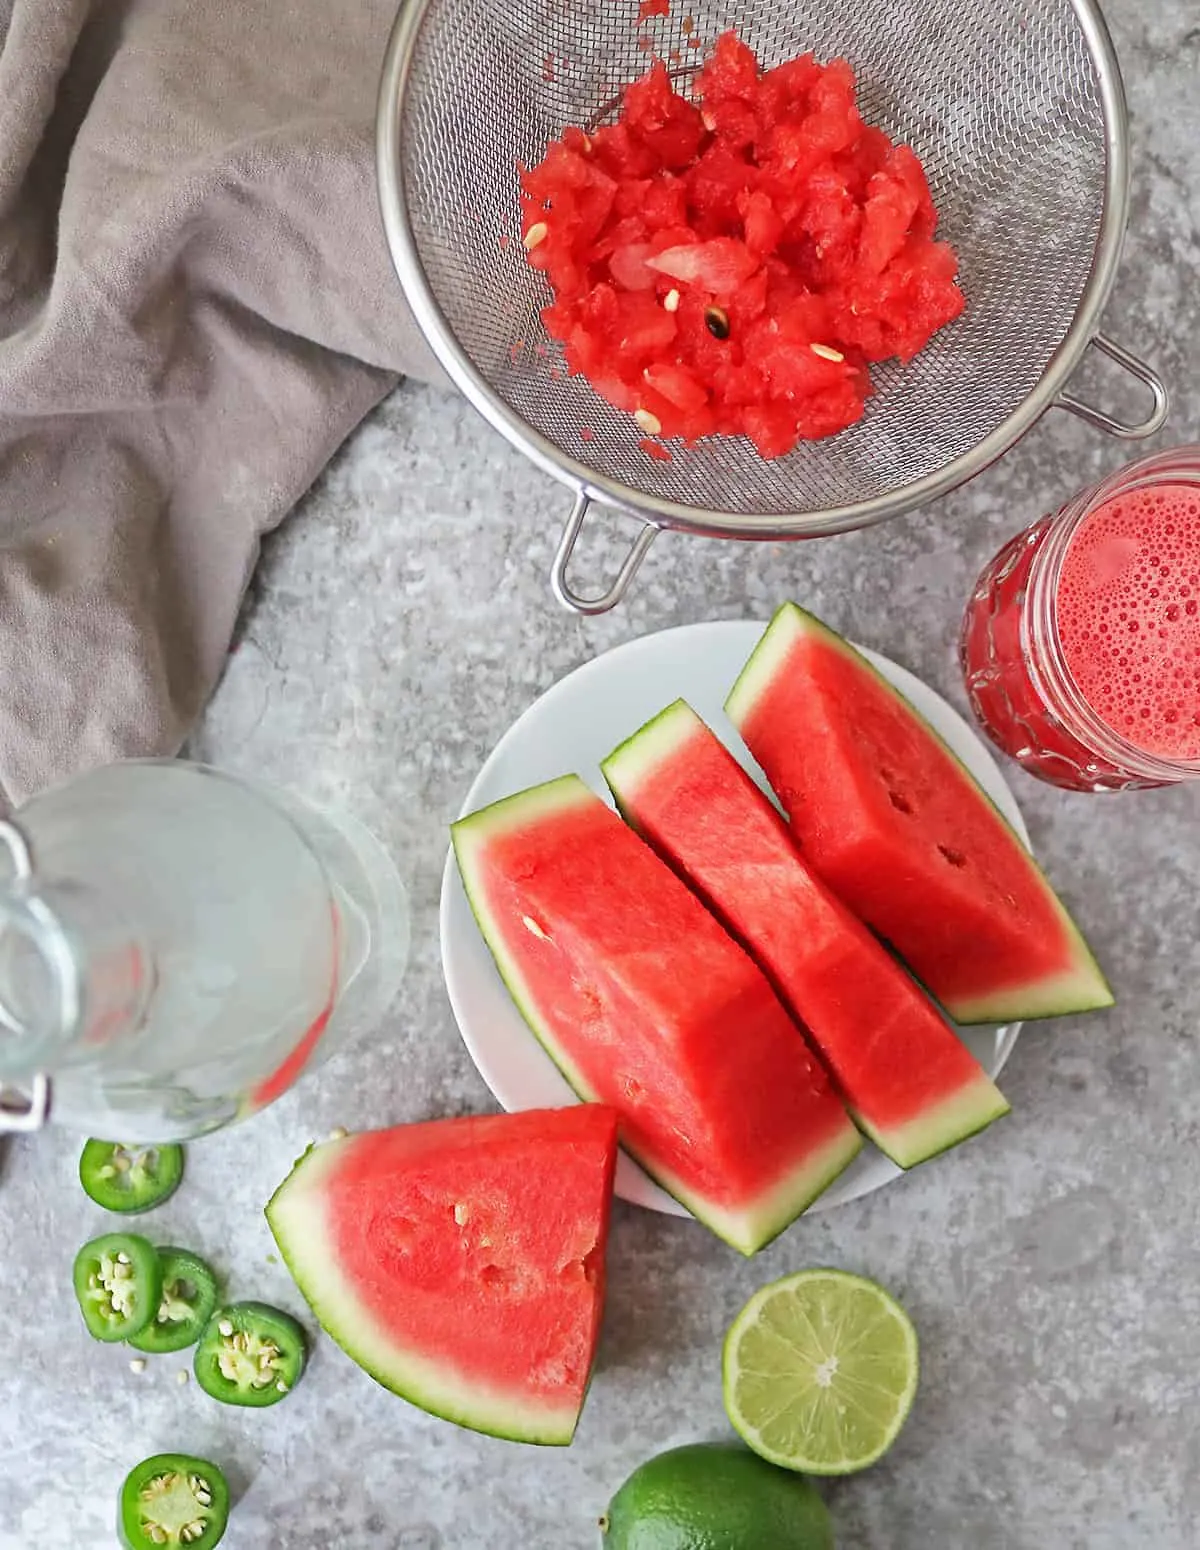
point(177, 945)
point(1022, 687)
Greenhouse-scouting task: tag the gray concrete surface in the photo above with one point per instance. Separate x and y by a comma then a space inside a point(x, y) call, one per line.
point(399, 623)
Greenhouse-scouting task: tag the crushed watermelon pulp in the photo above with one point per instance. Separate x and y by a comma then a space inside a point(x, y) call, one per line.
point(731, 265)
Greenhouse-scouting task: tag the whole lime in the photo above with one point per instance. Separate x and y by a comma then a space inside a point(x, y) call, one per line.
point(715, 1496)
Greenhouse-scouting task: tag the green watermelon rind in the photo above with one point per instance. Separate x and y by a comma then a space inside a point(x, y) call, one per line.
point(296, 1220)
point(941, 1126)
point(937, 1128)
point(659, 737)
point(1080, 988)
point(776, 1209)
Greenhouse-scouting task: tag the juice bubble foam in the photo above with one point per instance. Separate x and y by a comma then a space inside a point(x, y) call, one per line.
point(1128, 613)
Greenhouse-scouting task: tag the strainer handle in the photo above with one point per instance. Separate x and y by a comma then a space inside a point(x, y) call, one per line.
point(566, 548)
point(1154, 421)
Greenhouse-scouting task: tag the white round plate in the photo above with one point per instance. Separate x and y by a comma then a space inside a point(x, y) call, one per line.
point(574, 725)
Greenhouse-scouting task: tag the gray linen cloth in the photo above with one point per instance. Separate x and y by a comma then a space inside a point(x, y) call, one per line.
point(196, 307)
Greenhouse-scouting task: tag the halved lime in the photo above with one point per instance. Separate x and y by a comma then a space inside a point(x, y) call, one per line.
point(820, 1372)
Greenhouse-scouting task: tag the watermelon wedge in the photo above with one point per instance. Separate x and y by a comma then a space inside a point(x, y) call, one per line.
point(645, 1003)
point(461, 1262)
point(900, 831)
point(909, 1082)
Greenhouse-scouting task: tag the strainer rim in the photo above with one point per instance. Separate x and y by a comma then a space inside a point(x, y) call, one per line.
point(663, 513)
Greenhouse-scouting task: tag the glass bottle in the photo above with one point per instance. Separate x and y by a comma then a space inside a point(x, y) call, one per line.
point(177, 945)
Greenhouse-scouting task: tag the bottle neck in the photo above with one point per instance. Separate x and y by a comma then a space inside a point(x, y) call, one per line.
point(41, 987)
point(73, 981)
point(1042, 639)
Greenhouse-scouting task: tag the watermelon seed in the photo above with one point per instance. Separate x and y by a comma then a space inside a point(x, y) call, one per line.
point(538, 232)
point(900, 803)
point(716, 320)
point(954, 857)
point(650, 423)
point(462, 1213)
point(826, 352)
point(671, 301)
point(532, 926)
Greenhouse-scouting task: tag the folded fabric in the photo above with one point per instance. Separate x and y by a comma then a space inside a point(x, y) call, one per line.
point(196, 307)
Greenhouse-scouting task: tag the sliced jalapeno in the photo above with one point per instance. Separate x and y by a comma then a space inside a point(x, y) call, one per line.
point(118, 1284)
point(130, 1179)
point(250, 1354)
point(173, 1499)
point(189, 1295)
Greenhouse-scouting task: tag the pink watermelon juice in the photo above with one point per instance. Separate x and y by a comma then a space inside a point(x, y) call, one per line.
point(1081, 642)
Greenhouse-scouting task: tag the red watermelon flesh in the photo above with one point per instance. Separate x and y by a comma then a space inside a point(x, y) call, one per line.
point(895, 825)
point(645, 1003)
point(461, 1262)
point(908, 1080)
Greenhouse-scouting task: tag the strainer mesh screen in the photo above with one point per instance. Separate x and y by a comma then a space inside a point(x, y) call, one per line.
point(999, 98)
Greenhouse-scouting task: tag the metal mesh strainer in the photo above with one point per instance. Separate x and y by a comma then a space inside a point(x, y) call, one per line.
point(1017, 112)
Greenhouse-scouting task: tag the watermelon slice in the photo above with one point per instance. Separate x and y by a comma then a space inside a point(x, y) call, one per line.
point(896, 826)
point(645, 1003)
point(909, 1082)
point(461, 1262)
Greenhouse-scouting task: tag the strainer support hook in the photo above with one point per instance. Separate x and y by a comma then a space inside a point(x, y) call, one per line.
point(1160, 407)
point(563, 590)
